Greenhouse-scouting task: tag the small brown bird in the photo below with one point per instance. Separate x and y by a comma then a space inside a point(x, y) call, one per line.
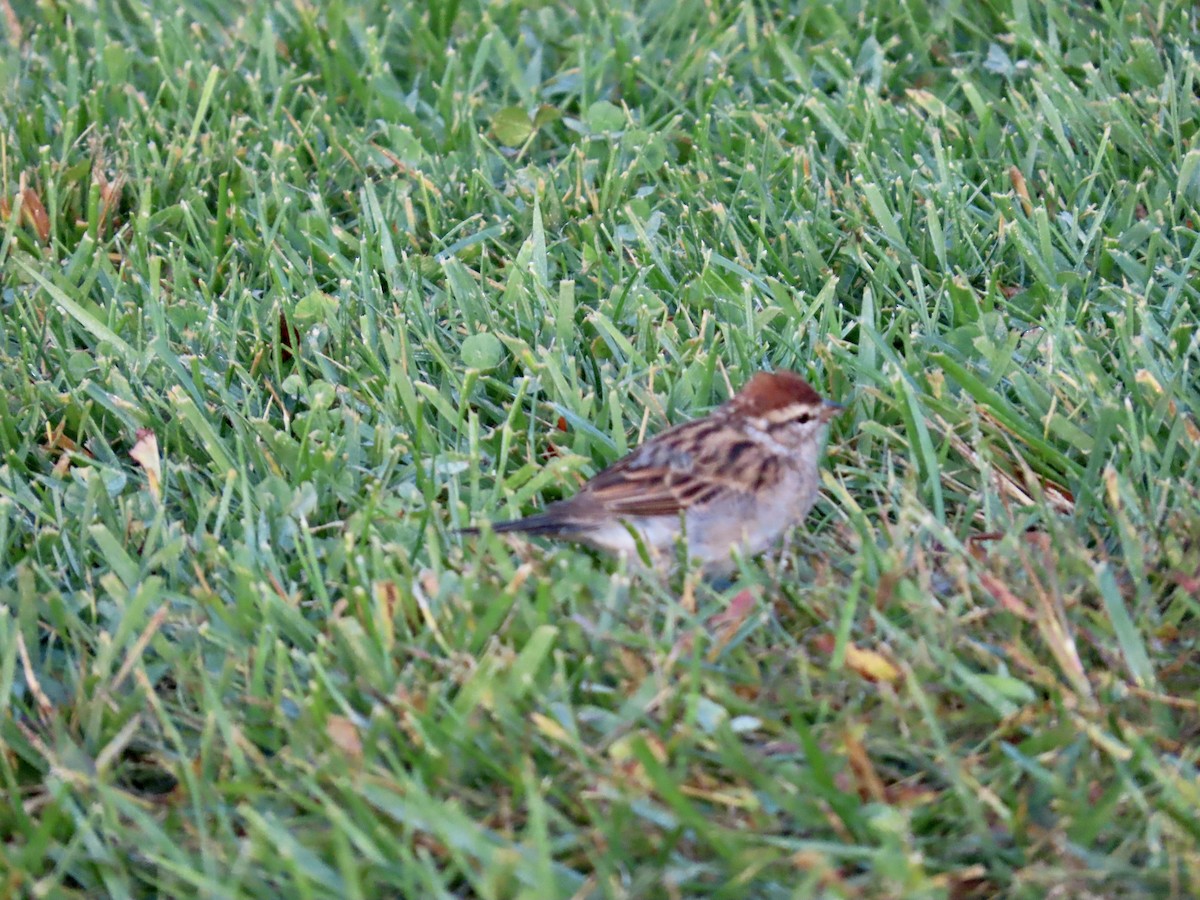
point(736, 479)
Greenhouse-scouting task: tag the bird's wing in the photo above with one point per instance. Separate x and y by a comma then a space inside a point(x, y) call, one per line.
point(678, 470)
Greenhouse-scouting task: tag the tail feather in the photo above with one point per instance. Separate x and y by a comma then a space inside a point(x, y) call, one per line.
point(543, 524)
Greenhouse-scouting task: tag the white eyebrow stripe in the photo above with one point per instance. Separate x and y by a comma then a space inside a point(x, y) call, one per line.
point(798, 412)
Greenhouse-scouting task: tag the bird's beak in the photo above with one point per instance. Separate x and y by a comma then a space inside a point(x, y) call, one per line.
point(830, 409)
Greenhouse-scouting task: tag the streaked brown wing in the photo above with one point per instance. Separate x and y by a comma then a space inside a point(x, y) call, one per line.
point(666, 475)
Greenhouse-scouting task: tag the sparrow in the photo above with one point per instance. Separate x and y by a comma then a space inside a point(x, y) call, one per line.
point(732, 481)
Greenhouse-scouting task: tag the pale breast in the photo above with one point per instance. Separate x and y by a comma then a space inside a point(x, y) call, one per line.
point(751, 523)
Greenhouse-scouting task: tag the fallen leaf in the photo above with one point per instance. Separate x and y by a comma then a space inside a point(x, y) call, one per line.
point(145, 454)
point(870, 665)
point(726, 624)
point(56, 438)
point(344, 735)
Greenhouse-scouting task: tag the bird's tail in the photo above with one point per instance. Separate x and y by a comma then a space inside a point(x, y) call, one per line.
point(543, 524)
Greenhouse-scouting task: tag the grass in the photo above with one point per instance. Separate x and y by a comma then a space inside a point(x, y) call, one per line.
point(287, 300)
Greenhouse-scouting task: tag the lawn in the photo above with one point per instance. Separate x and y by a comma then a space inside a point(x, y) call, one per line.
point(289, 296)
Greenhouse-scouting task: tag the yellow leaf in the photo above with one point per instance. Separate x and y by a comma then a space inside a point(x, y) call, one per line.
point(550, 728)
point(870, 665)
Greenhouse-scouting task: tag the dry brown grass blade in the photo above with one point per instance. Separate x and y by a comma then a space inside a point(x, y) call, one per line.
point(1005, 597)
point(34, 212)
point(869, 785)
point(1021, 188)
point(110, 196)
point(1052, 622)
